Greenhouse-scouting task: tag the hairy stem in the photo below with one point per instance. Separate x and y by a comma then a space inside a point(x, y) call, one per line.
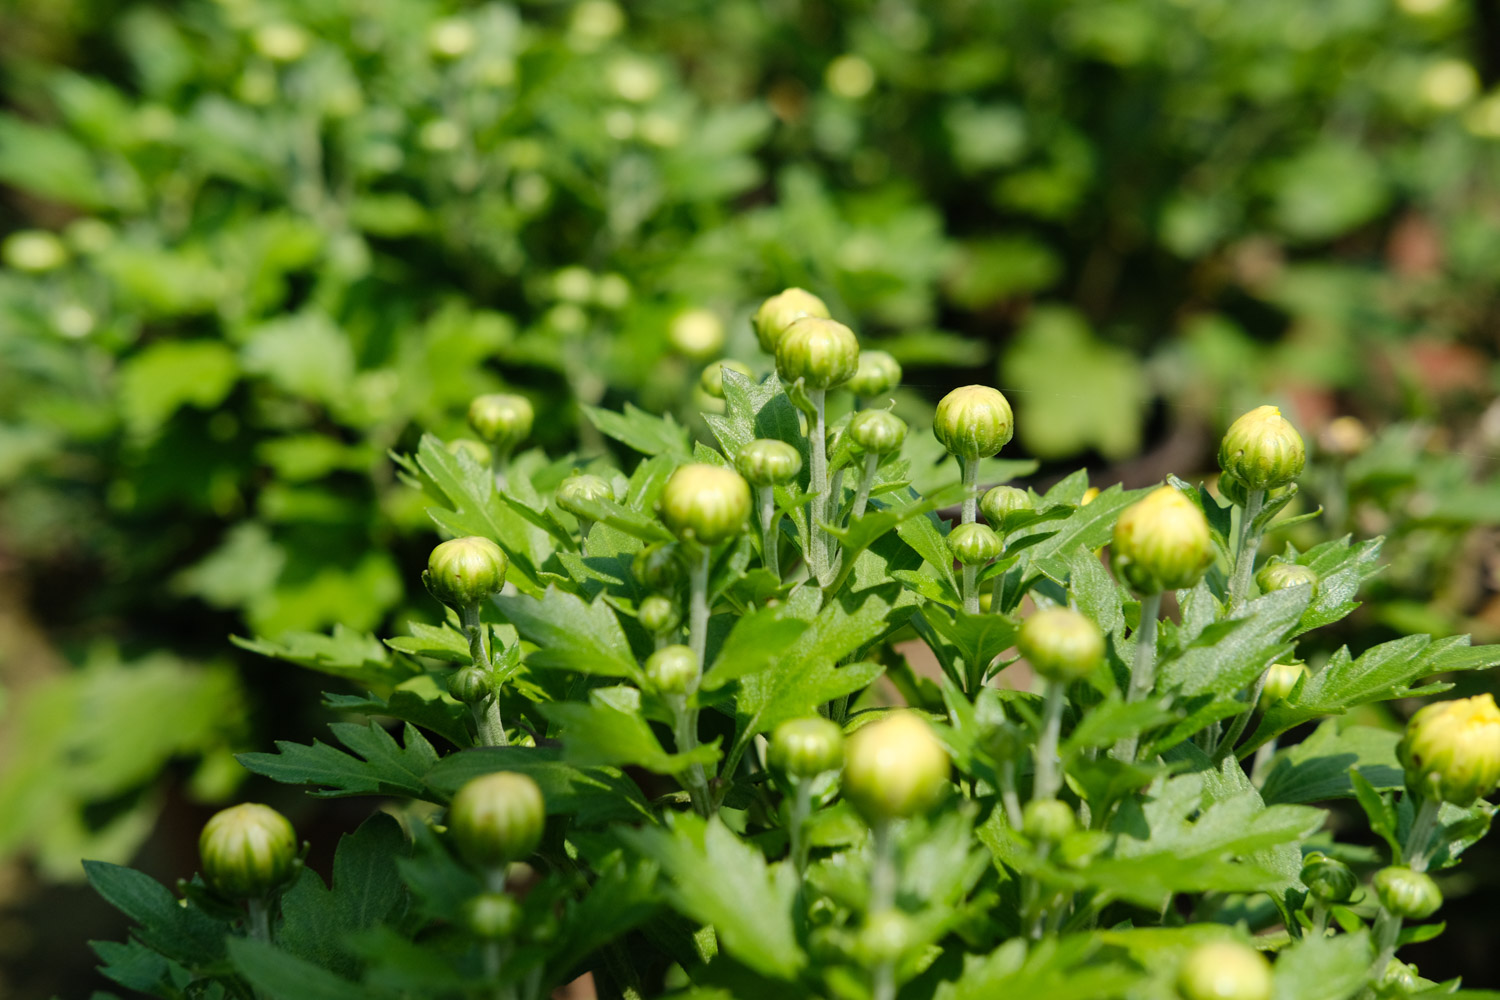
point(883, 898)
point(797, 832)
point(971, 489)
point(770, 549)
point(1008, 796)
point(1237, 728)
point(866, 480)
point(488, 724)
point(1048, 775)
point(1420, 839)
point(698, 606)
point(1143, 670)
point(817, 474)
point(1249, 543)
point(685, 730)
point(971, 590)
point(258, 918)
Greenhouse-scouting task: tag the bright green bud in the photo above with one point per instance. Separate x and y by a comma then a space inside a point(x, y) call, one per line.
point(469, 686)
point(657, 566)
point(712, 379)
point(1224, 970)
point(879, 432)
point(974, 544)
point(477, 450)
point(1162, 543)
point(465, 571)
point(1451, 750)
point(1329, 880)
point(1283, 575)
point(1000, 501)
point(659, 615)
point(781, 311)
point(1262, 450)
point(877, 374)
point(824, 353)
point(698, 333)
point(1061, 644)
point(493, 916)
point(1281, 681)
point(1397, 979)
point(705, 503)
point(497, 818)
point(886, 936)
point(805, 748)
point(501, 419)
point(1048, 820)
point(247, 850)
point(768, 462)
point(672, 669)
point(1408, 894)
point(894, 768)
point(33, 250)
point(577, 490)
point(974, 421)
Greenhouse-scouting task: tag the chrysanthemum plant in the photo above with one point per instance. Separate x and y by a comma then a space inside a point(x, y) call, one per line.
point(671, 734)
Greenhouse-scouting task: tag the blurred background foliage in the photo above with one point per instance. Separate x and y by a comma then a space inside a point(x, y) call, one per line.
point(250, 247)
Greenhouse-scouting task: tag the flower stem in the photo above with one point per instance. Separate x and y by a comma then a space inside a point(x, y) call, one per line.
point(883, 898)
point(1249, 544)
point(971, 489)
point(862, 495)
point(797, 832)
point(971, 590)
point(817, 483)
point(685, 731)
point(258, 918)
point(769, 544)
point(488, 724)
point(1048, 775)
point(698, 606)
point(500, 462)
point(584, 525)
point(1008, 796)
point(1418, 841)
point(1142, 671)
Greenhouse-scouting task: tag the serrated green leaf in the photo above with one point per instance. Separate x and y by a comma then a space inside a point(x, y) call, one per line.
point(600, 734)
point(571, 634)
point(375, 764)
point(419, 701)
point(182, 933)
point(1322, 968)
point(1229, 655)
point(646, 433)
point(1318, 768)
point(756, 639)
point(284, 976)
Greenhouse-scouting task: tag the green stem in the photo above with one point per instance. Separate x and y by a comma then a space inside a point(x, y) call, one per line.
point(817, 473)
point(500, 462)
point(801, 810)
point(770, 553)
point(488, 723)
point(1048, 775)
point(866, 480)
point(971, 590)
point(685, 730)
point(1420, 838)
point(584, 525)
point(698, 607)
point(971, 489)
point(1237, 728)
point(883, 898)
point(258, 918)
point(1008, 796)
point(1249, 543)
point(1143, 670)
point(1319, 920)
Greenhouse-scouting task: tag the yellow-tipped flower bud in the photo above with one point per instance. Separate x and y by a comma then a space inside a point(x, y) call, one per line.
point(805, 748)
point(501, 419)
point(1000, 501)
point(1282, 575)
point(658, 566)
point(1262, 450)
point(659, 615)
point(823, 353)
point(877, 374)
point(781, 311)
point(974, 544)
point(465, 571)
point(1329, 880)
point(247, 850)
point(477, 450)
point(585, 488)
point(878, 432)
point(1048, 820)
point(974, 421)
point(469, 686)
point(1281, 681)
point(1061, 644)
point(1451, 750)
point(894, 768)
point(672, 669)
point(712, 379)
point(497, 819)
point(705, 503)
point(1162, 543)
point(768, 462)
point(493, 916)
point(1224, 970)
point(1411, 895)
point(698, 333)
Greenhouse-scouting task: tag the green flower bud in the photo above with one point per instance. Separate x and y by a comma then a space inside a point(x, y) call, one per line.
point(781, 311)
point(1397, 979)
point(885, 937)
point(1282, 575)
point(1061, 644)
point(1262, 450)
point(247, 850)
point(823, 353)
point(894, 768)
point(1162, 543)
point(1451, 750)
point(33, 250)
point(877, 374)
point(501, 419)
point(879, 432)
point(1000, 501)
point(712, 379)
point(497, 818)
point(705, 503)
point(974, 544)
point(974, 421)
point(1329, 880)
point(1408, 894)
point(1281, 681)
point(768, 462)
point(657, 566)
point(698, 333)
point(805, 748)
point(577, 490)
point(465, 571)
point(493, 916)
point(477, 450)
point(469, 686)
point(659, 615)
point(1224, 970)
point(672, 669)
point(1232, 490)
point(1048, 820)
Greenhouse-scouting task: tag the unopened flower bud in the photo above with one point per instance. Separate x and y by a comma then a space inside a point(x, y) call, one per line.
point(877, 374)
point(658, 566)
point(1162, 543)
point(1262, 450)
point(974, 544)
point(823, 353)
point(659, 615)
point(477, 450)
point(1451, 750)
point(247, 850)
point(465, 571)
point(1048, 820)
point(1224, 970)
point(885, 937)
point(469, 686)
point(894, 768)
point(1329, 880)
point(781, 311)
point(1001, 500)
point(712, 379)
point(497, 818)
point(974, 421)
point(33, 250)
point(1283, 575)
point(705, 503)
point(698, 333)
point(768, 462)
point(575, 491)
point(1061, 644)
point(493, 916)
point(501, 419)
point(1398, 979)
point(879, 432)
point(1411, 895)
point(805, 748)
point(1345, 437)
point(1281, 681)
point(672, 669)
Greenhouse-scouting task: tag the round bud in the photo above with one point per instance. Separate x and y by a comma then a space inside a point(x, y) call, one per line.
point(1000, 501)
point(1345, 437)
point(876, 374)
point(1048, 819)
point(659, 615)
point(1397, 979)
point(672, 669)
point(824, 353)
point(1329, 880)
point(1262, 450)
point(878, 432)
point(492, 915)
point(497, 818)
point(698, 333)
point(1281, 681)
point(768, 462)
point(576, 490)
point(657, 566)
point(712, 379)
point(1282, 575)
point(1224, 970)
point(1162, 543)
point(705, 503)
point(476, 450)
point(1061, 644)
point(469, 686)
point(465, 571)
point(501, 419)
point(894, 768)
point(805, 748)
point(974, 544)
point(247, 850)
point(1408, 894)
point(885, 937)
point(974, 421)
point(1451, 750)
point(781, 311)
